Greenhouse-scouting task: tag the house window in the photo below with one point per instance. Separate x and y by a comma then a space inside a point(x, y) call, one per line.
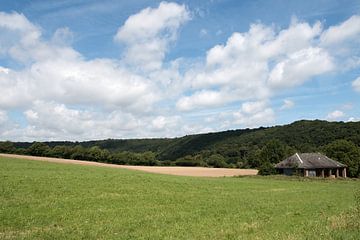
point(312, 173)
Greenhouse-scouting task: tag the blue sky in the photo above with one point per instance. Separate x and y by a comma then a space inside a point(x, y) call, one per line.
point(80, 70)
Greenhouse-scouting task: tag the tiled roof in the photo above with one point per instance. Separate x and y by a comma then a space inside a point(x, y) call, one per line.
point(309, 161)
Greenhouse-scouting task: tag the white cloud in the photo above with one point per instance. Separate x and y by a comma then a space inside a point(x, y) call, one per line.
point(63, 36)
point(147, 34)
point(353, 119)
point(53, 121)
point(66, 96)
point(300, 67)
point(253, 64)
point(254, 114)
point(4, 70)
point(16, 26)
point(3, 117)
point(62, 122)
point(66, 76)
point(288, 104)
point(346, 31)
point(335, 115)
point(201, 99)
point(161, 123)
point(356, 84)
point(6, 125)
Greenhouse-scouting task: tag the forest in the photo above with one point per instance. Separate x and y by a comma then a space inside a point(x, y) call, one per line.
point(257, 148)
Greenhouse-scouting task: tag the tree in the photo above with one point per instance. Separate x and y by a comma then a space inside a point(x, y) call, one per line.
point(119, 158)
point(253, 157)
point(149, 158)
point(347, 153)
point(189, 160)
point(274, 151)
point(97, 154)
point(267, 169)
point(7, 147)
point(38, 149)
point(216, 160)
point(61, 151)
point(79, 153)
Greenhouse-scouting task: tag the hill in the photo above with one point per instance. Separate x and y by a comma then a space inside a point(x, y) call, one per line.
point(233, 148)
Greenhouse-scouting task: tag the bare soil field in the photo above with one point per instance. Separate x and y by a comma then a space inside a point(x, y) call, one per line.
point(180, 171)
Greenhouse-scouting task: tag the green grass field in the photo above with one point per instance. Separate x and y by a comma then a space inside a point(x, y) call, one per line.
point(40, 200)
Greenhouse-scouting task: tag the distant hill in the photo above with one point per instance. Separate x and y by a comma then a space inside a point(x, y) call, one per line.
point(303, 136)
point(257, 148)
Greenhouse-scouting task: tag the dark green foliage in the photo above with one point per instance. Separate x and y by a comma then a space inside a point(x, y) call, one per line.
point(345, 152)
point(38, 149)
point(216, 160)
point(267, 168)
point(7, 147)
point(190, 161)
point(96, 154)
point(234, 148)
point(273, 152)
point(61, 151)
point(79, 153)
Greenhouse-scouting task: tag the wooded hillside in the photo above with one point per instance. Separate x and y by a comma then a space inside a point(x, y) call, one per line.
point(245, 148)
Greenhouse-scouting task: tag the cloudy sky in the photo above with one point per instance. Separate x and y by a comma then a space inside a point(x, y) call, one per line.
point(80, 70)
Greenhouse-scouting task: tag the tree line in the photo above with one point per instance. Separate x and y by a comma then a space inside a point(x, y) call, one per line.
point(263, 159)
point(246, 148)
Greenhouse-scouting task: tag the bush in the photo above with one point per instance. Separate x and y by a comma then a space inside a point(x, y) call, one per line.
point(190, 161)
point(217, 161)
point(7, 147)
point(267, 169)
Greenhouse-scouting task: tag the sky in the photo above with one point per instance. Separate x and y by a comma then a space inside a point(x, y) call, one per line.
point(85, 69)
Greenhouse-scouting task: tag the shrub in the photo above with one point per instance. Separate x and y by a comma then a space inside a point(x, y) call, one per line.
point(217, 161)
point(267, 169)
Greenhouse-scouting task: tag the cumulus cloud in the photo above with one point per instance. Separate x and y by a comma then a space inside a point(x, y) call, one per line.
point(65, 75)
point(63, 94)
point(147, 34)
point(63, 36)
point(335, 115)
point(161, 123)
point(348, 30)
point(356, 84)
point(201, 99)
point(300, 67)
point(253, 114)
point(59, 121)
point(253, 65)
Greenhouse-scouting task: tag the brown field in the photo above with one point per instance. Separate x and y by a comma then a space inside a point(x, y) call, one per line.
point(180, 171)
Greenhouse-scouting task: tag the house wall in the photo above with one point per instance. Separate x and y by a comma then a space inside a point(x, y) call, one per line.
point(321, 172)
point(288, 171)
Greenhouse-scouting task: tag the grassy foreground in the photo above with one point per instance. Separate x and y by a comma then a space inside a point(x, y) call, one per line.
point(40, 200)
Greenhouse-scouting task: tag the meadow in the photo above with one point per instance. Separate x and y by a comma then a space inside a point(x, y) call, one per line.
point(41, 200)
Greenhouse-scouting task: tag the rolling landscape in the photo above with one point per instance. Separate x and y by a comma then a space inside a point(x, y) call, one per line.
point(54, 199)
point(180, 119)
point(247, 148)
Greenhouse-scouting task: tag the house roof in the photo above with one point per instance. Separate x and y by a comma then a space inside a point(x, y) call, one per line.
point(309, 161)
